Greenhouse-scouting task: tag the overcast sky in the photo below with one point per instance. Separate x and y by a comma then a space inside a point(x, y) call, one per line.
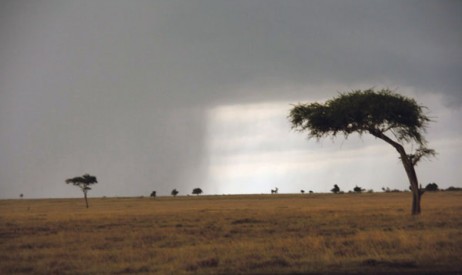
point(156, 95)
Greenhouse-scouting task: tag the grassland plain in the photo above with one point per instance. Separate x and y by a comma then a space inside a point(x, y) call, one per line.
point(251, 234)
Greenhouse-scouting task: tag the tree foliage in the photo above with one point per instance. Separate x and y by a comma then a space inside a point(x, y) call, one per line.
point(386, 115)
point(363, 112)
point(174, 192)
point(197, 191)
point(432, 187)
point(336, 189)
point(83, 183)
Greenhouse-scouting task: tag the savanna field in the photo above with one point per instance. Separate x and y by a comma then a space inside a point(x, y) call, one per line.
point(370, 233)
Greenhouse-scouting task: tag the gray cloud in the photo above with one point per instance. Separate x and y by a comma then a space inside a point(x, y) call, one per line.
point(122, 89)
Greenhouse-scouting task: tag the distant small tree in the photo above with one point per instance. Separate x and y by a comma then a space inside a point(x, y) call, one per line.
point(197, 191)
point(358, 189)
point(336, 189)
point(21, 195)
point(302, 191)
point(431, 187)
point(153, 194)
point(174, 192)
point(83, 183)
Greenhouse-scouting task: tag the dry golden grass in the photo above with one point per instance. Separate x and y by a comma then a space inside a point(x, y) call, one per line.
point(349, 233)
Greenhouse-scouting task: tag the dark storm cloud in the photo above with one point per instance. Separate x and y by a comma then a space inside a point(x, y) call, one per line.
point(197, 51)
point(121, 89)
point(215, 46)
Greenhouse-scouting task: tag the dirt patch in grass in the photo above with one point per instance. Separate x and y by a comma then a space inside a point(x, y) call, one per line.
point(246, 221)
point(204, 263)
point(393, 264)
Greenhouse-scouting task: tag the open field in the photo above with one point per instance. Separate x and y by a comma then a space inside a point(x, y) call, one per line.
point(277, 234)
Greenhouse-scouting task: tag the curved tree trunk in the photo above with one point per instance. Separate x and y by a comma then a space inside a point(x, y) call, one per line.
point(412, 176)
point(410, 171)
point(416, 192)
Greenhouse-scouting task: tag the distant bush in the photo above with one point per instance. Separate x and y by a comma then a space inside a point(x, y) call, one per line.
point(336, 189)
point(388, 190)
point(452, 188)
point(358, 189)
point(197, 191)
point(174, 192)
point(431, 187)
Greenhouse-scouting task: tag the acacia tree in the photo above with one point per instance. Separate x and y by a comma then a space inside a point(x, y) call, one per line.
point(386, 115)
point(84, 183)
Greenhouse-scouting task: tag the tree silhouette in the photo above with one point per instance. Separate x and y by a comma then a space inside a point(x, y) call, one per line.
point(153, 194)
point(83, 183)
point(336, 189)
point(197, 191)
point(432, 187)
point(358, 189)
point(174, 192)
point(384, 114)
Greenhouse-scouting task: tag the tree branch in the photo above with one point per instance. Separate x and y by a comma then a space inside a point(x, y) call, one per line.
point(420, 153)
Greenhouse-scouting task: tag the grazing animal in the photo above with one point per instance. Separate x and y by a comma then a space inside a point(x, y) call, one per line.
point(153, 194)
point(275, 191)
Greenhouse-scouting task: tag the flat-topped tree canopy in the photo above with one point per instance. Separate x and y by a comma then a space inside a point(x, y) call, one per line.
point(385, 114)
point(363, 111)
point(83, 182)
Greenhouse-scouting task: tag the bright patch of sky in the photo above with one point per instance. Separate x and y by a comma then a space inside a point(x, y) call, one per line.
point(252, 149)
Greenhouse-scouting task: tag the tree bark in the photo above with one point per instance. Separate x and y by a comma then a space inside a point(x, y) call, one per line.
point(85, 195)
point(416, 192)
point(416, 197)
point(410, 171)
